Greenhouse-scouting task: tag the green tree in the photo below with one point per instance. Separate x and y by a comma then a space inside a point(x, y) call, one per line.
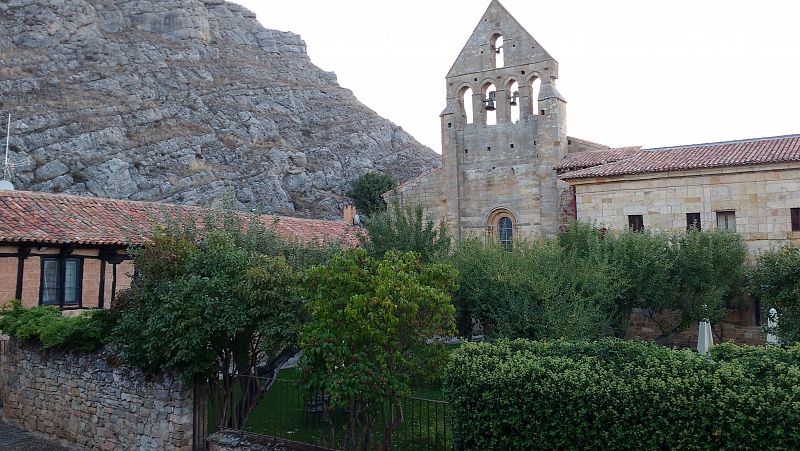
point(366, 192)
point(776, 280)
point(405, 228)
point(224, 304)
point(369, 335)
point(536, 290)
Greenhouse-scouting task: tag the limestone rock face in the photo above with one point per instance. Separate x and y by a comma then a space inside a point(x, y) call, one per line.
point(184, 101)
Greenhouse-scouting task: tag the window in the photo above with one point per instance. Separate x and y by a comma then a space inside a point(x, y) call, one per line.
point(693, 220)
point(726, 220)
point(61, 281)
point(795, 219)
point(636, 222)
point(505, 228)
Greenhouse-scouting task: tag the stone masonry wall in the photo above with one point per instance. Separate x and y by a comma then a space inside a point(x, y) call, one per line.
point(761, 197)
point(91, 400)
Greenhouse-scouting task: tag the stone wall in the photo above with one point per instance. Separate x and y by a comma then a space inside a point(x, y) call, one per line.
point(92, 400)
point(738, 327)
point(761, 197)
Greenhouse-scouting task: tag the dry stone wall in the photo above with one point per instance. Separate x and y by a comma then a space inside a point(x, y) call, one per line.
point(91, 400)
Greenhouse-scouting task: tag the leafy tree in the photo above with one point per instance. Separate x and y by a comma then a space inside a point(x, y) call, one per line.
point(368, 337)
point(537, 290)
point(709, 273)
point(222, 307)
point(776, 280)
point(367, 189)
point(405, 228)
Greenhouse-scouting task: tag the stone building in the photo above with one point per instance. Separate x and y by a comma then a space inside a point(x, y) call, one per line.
point(503, 130)
point(751, 187)
point(509, 168)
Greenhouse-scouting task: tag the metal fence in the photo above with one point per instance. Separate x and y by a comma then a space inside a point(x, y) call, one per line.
point(289, 412)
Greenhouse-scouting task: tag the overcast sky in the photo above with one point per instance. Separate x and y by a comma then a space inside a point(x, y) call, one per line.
point(634, 72)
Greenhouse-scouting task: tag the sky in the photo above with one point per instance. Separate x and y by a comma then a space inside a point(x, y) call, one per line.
point(634, 72)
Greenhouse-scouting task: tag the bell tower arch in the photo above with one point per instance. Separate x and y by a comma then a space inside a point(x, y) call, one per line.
point(504, 156)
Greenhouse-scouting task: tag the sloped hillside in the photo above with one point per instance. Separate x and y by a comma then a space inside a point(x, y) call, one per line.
point(182, 101)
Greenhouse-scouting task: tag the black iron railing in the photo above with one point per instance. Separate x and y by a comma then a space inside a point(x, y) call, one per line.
point(288, 411)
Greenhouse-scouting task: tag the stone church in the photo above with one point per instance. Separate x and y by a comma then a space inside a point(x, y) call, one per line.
point(509, 169)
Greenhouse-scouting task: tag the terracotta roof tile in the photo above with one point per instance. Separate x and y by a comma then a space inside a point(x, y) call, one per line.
point(580, 160)
point(35, 217)
point(778, 149)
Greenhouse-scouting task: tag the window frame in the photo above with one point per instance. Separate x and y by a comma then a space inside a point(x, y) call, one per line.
point(61, 265)
point(690, 222)
point(632, 219)
point(726, 213)
point(509, 232)
point(794, 215)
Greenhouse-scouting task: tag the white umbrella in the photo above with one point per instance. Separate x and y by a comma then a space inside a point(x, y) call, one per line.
point(704, 337)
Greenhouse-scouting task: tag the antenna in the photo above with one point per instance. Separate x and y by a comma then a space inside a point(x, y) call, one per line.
point(6, 172)
point(5, 184)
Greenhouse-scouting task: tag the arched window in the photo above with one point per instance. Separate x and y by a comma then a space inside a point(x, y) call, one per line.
point(536, 86)
point(490, 103)
point(497, 49)
point(505, 231)
point(500, 225)
point(513, 99)
point(465, 97)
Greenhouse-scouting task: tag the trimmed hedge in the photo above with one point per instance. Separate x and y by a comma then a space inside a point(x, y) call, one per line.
point(83, 333)
point(615, 394)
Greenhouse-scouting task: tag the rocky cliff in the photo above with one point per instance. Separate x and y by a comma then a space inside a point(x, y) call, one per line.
point(182, 101)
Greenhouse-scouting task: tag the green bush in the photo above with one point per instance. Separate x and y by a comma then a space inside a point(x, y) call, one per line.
point(614, 394)
point(776, 280)
point(584, 283)
point(535, 290)
point(367, 189)
point(405, 228)
point(83, 333)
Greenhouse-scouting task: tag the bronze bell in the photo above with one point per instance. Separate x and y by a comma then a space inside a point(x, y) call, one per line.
point(490, 102)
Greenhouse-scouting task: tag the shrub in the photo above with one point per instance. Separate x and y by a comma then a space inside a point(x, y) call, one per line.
point(535, 290)
point(406, 229)
point(776, 280)
point(226, 303)
point(46, 325)
point(366, 192)
point(614, 394)
point(367, 339)
point(586, 282)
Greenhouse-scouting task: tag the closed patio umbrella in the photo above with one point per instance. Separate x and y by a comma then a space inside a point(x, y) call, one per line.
point(704, 337)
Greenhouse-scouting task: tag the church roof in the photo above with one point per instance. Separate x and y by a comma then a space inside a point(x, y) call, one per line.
point(776, 149)
point(35, 217)
point(581, 160)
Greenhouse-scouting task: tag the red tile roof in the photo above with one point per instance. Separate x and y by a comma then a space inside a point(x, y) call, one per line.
point(580, 160)
point(36, 217)
point(778, 149)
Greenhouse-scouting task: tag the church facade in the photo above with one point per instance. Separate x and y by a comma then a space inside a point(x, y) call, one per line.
point(510, 170)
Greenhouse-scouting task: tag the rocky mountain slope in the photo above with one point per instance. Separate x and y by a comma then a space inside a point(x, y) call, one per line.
point(182, 101)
